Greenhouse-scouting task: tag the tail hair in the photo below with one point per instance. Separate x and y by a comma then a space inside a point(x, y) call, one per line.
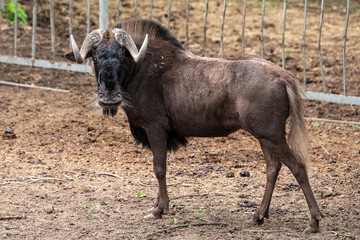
point(297, 136)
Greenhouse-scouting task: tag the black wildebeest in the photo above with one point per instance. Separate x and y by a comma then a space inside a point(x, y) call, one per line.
point(169, 94)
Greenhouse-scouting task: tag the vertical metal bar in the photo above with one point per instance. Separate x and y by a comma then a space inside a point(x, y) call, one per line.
point(15, 28)
point(222, 30)
point(88, 18)
point(169, 12)
point(33, 40)
point(262, 29)
point(117, 11)
point(243, 30)
point(205, 26)
point(70, 21)
point(344, 44)
point(151, 8)
point(136, 9)
point(303, 44)
point(283, 34)
point(88, 62)
point(52, 26)
point(319, 46)
point(187, 24)
point(103, 14)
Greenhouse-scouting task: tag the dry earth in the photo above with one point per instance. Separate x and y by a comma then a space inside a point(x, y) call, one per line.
point(56, 166)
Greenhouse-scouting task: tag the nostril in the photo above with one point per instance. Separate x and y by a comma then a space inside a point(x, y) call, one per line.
point(100, 95)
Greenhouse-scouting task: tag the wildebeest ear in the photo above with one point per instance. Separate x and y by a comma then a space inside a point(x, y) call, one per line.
point(70, 56)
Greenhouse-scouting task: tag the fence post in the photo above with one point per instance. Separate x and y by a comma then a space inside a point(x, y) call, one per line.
point(222, 30)
point(205, 26)
point(15, 28)
point(344, 44)
point(303, 44)
point(243, 30)
point(262, 29)
point(103, 14)
point(1, 13)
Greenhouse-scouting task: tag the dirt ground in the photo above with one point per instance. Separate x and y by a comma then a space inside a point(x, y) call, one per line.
point(67, 172)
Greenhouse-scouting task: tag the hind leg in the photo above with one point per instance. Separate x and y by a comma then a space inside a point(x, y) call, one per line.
point(299, 171)
point(280, 151)
point(273, 166)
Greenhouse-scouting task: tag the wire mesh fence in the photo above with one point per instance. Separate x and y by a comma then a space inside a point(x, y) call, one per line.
point(170, 14)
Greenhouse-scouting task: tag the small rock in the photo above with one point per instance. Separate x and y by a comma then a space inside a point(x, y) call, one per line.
point(35, 161)
point(230, 174)
point(314, 176)
point(90, 129)
point(244, 174)
point(220, 169)
point(238, 166)
point(8, 130)
point(277, 210)
point(49, 209)
point(246, 203)
point(327, 193)
point(9, 133)
point(290, 186)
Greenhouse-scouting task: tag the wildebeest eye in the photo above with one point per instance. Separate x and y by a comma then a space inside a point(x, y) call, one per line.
point(95, 60)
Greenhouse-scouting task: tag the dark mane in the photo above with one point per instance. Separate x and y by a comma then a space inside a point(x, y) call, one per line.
point(139, 27)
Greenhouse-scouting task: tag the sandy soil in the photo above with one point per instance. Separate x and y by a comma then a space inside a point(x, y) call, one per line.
point(56, 165)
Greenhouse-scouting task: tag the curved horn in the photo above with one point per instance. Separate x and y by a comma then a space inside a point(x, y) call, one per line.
point(93, 39)
point(125, 40)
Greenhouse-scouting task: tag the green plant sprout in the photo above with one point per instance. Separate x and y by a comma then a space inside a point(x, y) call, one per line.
point(141, 195)
point(83, 205)
point(199, 215)
point(10, 12)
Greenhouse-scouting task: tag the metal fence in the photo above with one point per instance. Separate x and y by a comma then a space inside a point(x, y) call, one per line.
point(103, 23)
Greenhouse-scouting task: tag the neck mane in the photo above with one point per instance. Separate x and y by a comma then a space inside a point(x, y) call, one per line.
point(138, 28)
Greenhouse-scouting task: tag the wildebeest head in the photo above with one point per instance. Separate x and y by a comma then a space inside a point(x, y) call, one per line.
point(108, 50)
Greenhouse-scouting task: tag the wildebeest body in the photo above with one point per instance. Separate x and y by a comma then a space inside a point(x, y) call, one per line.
point(169, 94)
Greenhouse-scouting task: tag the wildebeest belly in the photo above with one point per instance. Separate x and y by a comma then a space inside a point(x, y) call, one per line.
point(207, 117)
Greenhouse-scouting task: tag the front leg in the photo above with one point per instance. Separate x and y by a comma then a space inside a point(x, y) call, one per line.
point(158, 143)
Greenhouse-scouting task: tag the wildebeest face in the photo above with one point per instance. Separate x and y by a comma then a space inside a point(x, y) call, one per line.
point(109, 49)
point(110, 70)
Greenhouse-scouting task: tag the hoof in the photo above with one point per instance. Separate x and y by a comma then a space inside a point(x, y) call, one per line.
point(311, 230)
point(155, 214)
point(258, 220)
point(150, 217)
point(150, 210)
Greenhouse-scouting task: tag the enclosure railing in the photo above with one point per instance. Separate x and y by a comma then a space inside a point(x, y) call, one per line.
point(103, 23)
point(34, 61)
